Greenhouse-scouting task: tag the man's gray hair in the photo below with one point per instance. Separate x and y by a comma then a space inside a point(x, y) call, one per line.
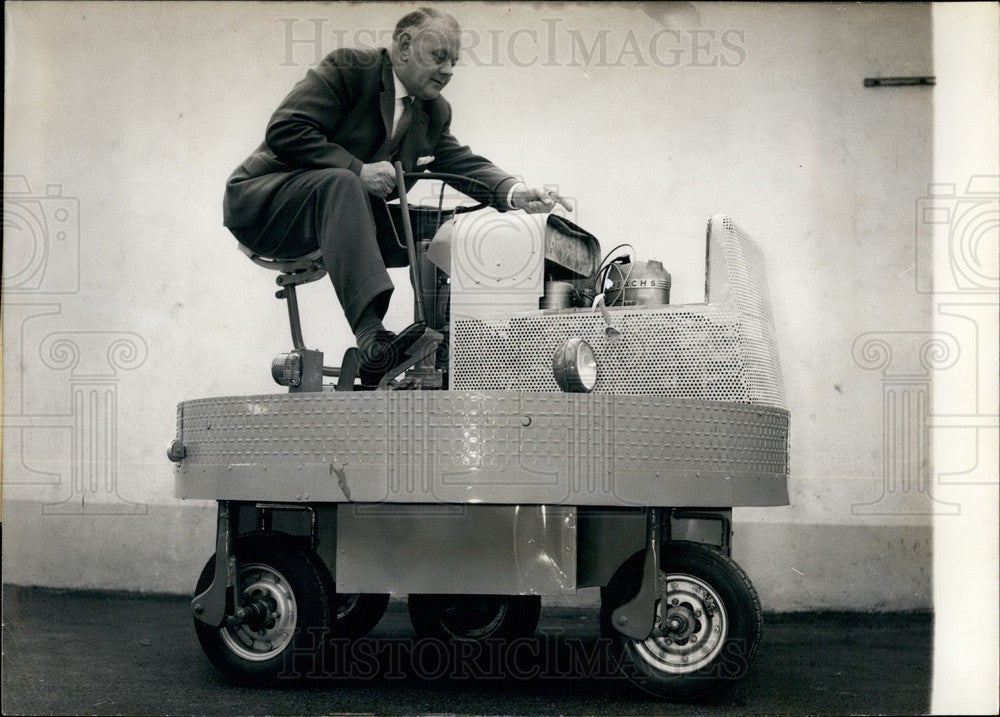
point(420, 17)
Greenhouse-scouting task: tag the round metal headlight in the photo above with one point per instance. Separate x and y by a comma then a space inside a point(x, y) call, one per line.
point(286, 369)
point(575, 366)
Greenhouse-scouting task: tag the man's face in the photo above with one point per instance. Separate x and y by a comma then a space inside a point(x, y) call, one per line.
point(427, 59)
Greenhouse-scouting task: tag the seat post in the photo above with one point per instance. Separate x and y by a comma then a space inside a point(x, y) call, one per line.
point(302, 369)
point(288, 280)
point(288, 294)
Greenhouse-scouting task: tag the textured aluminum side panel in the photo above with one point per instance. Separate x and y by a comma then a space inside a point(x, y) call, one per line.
point(470, 447)
point(722, 351)
point(471, 549)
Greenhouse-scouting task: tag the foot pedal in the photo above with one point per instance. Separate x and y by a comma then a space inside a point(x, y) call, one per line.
point(423, 347)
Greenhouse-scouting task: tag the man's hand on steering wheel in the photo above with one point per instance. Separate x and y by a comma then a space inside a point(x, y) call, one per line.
point(536, 201)
point(379, 179)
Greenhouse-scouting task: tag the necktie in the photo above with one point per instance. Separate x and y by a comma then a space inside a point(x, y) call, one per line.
point(404, 120)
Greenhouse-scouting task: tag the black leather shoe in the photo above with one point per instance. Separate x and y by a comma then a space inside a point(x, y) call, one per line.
point(386, 351)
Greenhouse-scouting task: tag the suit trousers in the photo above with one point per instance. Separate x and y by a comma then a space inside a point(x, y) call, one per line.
point(330, 209)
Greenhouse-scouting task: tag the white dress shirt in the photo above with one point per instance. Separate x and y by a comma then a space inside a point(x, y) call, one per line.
point(399, 93)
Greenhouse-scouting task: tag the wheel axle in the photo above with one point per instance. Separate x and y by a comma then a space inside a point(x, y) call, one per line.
point(257, 615)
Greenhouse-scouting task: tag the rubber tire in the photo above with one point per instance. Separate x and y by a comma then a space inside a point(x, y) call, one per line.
point(362, 617)
point(743, 612)
point(442, 616)
point(311, 588)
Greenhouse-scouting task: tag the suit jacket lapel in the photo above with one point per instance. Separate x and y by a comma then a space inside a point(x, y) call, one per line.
point(387, 103)
point(387, 97)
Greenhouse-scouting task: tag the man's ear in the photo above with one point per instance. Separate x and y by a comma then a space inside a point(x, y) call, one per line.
point(403, 44)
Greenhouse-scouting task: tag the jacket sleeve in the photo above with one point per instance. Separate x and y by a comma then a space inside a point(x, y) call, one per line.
point(455, 158)
point(300, 129)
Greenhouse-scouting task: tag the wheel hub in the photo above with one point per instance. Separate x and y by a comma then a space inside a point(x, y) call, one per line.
point(680, 622)
point(691, 626)
point(259, 614)
point(266, 621)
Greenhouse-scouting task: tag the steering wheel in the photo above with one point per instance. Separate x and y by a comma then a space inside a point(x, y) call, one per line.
point(451, 179)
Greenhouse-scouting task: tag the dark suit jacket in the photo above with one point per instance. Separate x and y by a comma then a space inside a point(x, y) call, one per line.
point(340, 115)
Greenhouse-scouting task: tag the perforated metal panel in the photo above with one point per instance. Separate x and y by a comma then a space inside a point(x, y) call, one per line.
point(723, 350)
point(478, 447)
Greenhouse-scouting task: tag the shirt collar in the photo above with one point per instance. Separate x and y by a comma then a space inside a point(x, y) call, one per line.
point(400, 88)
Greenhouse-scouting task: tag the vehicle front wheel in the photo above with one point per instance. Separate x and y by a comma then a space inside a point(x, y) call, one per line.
point(707, 629)
point(287, 617)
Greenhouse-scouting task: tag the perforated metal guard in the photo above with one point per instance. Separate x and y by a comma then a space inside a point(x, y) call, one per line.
point(482, 447)
point(723, 350)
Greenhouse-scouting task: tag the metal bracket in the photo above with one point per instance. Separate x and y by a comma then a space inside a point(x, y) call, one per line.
point(723, 516)
point(265, 515)
point(900, 81)
point(212, 606)
point(635, 619)
point(301, 370)
point(312, 371)
point(349, 369)
point(300, 277)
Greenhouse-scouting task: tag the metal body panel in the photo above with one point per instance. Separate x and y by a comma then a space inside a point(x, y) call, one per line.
point(503, 447)
point(606, 539)
point(464, 549)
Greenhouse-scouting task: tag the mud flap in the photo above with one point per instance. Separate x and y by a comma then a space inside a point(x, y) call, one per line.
point(212, 606)
point(635, 619)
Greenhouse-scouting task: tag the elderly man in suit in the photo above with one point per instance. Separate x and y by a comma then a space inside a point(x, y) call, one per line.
point(321, 176)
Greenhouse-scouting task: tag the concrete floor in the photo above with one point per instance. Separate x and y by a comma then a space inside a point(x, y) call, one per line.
point(111, 653)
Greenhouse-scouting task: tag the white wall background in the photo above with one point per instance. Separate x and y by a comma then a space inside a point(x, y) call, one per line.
point(135, 113)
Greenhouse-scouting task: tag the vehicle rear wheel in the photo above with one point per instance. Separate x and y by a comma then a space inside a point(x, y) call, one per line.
point(287, 605)
point(474, 617)
point(358, 613)
point(708, 626)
